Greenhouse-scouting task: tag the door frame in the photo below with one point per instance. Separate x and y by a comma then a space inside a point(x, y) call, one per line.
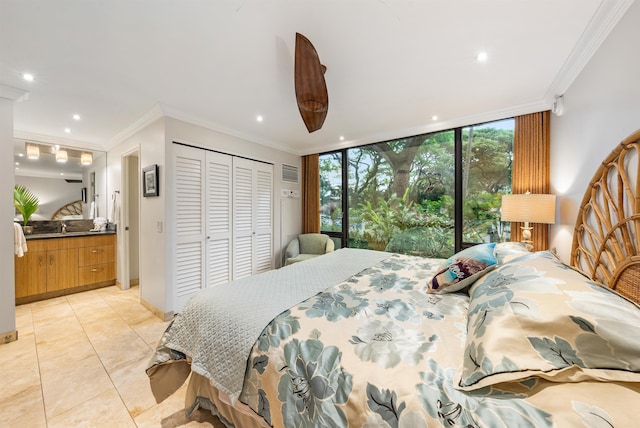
point(125, 219)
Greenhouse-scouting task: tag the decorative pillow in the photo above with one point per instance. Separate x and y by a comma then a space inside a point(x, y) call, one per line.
point(537, 317)
point(504, 251)
point(462, 269)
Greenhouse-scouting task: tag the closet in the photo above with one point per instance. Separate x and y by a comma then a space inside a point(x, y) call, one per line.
point(224, 219)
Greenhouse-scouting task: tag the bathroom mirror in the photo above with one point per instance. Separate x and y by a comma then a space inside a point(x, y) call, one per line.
point(77, 183)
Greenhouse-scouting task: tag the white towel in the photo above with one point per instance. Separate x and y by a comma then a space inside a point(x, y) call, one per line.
point(115, 209)
point(19, 241)
point(92, 210)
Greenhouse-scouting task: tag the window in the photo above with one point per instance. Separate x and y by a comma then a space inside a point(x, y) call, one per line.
point(487, 156)
point(401, 195)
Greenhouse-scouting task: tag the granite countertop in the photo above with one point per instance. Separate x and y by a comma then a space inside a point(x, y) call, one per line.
point(66, 235)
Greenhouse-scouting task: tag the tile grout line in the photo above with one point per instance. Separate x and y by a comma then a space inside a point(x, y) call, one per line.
point(35, 345)
point(98, 355)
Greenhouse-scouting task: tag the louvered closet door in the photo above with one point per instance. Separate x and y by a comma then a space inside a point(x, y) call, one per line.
point(219, 219)
point(243, 230)
point(263, 259)
point(253, 217)
point(190, 225)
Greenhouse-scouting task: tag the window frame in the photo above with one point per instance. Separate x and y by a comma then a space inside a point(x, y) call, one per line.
point(458, 217)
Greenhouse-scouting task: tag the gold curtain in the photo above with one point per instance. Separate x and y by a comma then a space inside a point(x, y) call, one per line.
point(531, 153)
point(310, 194)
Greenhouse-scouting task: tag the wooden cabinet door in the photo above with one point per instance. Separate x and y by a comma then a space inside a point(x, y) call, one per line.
point(62, 269)
point(31, 274)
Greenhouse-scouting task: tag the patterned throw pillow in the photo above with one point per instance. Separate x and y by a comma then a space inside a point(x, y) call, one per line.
point(535, 317)
point(462, 269)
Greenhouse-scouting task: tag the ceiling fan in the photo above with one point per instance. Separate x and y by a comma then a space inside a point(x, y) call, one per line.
point(311, 89)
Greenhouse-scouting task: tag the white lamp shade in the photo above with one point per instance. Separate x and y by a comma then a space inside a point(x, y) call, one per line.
point(86, 158)
point(61, 155)
point(529, 207)
point(33, 151)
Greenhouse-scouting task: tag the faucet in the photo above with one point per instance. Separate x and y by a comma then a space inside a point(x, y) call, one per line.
point(64, 228)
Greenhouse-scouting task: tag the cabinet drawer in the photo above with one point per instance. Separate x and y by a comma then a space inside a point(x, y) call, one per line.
point(96, 273)
point(95, 255)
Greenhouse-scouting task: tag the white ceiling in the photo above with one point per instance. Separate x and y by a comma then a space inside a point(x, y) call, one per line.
point(391, 65)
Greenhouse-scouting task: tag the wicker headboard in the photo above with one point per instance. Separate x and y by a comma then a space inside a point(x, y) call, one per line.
point(606, 240)
point(72, 208)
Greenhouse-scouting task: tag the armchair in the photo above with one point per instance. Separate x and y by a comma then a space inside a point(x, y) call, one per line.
point(306, 246)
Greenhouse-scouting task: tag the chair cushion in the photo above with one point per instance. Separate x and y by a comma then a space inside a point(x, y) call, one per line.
point(301, 258)
point(312, 243)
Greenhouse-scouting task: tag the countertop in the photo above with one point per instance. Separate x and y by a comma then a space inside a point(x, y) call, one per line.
point(66, 235)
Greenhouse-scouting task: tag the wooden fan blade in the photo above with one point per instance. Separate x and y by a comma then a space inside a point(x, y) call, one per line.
point(311, 89)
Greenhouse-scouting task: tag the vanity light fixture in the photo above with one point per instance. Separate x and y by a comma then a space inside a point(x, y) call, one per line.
point(33, 151)
point(61, 156)
point(86, 158)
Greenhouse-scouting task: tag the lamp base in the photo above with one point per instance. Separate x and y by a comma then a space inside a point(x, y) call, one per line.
point(526, 235)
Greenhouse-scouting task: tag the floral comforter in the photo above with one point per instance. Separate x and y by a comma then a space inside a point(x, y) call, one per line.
point(378, 351)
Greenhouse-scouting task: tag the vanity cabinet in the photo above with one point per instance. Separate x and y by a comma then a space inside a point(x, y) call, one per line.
point(56, 266)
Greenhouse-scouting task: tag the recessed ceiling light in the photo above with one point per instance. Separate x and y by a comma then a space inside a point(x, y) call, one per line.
point(20, 155)
point(76, 117)
point(17, 163)
point(28, 77)
point(482, 57)
point(434, 117)
point(341, 138)
point(259, 118)
point(67, 130)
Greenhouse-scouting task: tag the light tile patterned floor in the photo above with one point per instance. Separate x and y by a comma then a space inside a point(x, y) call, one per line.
point(79, 362)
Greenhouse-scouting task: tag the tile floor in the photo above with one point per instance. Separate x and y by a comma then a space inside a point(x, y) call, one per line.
point(80, 361)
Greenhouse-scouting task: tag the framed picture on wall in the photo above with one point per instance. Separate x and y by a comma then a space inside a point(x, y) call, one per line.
point(150, 181)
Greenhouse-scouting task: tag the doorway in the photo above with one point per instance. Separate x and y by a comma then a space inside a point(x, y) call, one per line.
point(130, 223)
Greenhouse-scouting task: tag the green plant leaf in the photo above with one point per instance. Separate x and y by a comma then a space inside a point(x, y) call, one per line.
point(25, 202)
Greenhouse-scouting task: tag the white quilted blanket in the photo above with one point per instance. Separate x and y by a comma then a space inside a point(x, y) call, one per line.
point(218, 327)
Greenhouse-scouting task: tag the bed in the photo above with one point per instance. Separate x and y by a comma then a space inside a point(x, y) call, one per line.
point(495, 336)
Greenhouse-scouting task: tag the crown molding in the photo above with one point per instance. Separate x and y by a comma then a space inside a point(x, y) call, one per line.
point(156, 112)
point(490, 116)
point(12, 93)
point(198, 121)
point(48, 139)
point(603, 22)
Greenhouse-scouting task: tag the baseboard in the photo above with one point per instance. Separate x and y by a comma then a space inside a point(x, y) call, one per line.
point(9, 336)
point(164, 316)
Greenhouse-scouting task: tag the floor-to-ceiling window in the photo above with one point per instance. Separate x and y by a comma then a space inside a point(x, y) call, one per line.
point(428, 195)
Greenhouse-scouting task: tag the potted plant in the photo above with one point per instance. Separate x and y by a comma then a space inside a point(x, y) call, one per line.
point(26, 203)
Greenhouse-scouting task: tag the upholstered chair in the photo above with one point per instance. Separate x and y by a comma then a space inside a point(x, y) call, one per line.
point(307, 246)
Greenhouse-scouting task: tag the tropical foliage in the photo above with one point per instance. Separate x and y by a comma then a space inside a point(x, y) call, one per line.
point(25, 202)
point(401, 193)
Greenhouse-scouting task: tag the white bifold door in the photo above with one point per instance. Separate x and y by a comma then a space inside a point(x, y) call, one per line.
point(224, 219)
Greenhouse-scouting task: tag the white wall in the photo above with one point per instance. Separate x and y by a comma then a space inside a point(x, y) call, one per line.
point(152, 263)
point(602, 108)
point(157, 253)
point(7, 288)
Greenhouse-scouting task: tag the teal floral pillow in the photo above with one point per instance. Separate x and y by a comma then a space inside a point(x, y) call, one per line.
point(462, 269)
point(537, 317)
